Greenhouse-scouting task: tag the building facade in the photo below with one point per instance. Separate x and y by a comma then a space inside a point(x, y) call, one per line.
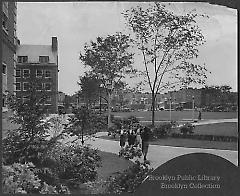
point(38, 63)
point(61, 98)
point(9, 42)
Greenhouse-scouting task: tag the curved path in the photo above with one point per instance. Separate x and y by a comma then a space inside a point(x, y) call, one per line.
point(158, 155)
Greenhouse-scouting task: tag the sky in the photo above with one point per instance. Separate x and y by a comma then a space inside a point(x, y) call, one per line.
point(75, 23)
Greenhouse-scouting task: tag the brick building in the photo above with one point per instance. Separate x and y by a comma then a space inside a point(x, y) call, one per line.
point(38, 62)
point(8, 49)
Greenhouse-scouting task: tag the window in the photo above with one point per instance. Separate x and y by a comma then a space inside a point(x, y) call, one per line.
point(4, 71)
point(26, 73)
point(18, 73)
point(47, 74)
point(48, 86)
point(39, 73)
point(18, 86)
point(39, 86)
point(25, 86)
point(22, 59)
point(43, 59)
point(48, 101)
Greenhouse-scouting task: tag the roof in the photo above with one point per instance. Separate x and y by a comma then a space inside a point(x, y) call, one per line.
point(34, 51)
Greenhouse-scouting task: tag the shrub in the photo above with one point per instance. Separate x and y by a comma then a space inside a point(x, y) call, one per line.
point(131, 120)
point(75, 164)
point(164, 129)
point(130, 152)
point(128, 180)
point(187, 129)
point(20, 178)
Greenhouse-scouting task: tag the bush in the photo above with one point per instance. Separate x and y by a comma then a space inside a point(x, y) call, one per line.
point(131, 120)
point(75, 164)
point(129, 152)
point(128, 180)
point(20, 178)
point(187, 129)
point(164, 130)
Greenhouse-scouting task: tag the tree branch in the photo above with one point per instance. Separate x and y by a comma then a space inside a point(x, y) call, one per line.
point(145, 64)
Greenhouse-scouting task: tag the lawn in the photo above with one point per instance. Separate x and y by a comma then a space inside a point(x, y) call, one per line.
point(111, 165)
point(176, 115)
point(223, 129)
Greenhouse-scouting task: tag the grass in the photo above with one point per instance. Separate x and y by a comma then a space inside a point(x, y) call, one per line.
point(111, 165)
point(189, 143)
point(225, 129)
point(176, 115)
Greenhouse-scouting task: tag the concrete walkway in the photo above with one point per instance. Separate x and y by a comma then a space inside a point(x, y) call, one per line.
point(214, 121)
point(157, 154)
point(196, 122)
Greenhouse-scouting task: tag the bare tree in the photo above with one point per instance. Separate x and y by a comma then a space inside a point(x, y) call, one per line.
point(168, 43)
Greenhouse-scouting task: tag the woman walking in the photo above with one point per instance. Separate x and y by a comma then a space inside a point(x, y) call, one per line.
point(138, 137)
point(122, 138)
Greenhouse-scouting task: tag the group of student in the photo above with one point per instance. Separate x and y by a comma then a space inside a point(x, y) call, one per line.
point(136, 136)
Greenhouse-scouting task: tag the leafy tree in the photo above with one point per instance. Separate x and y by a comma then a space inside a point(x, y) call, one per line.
point(89, 89)
point(109, 59)
point(168, 43)
point(28, 143)
point(85, 122)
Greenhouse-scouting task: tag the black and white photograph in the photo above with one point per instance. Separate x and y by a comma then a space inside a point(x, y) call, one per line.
point(117, 97)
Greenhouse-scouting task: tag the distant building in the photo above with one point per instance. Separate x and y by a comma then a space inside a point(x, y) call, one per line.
point(8, 42)
point(38, 62)
point(61, 98)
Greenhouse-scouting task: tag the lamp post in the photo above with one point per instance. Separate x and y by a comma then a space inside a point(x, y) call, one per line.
point(193, 108)
point(170, 109)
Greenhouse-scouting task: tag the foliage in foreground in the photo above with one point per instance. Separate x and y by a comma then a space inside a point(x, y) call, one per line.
point(20, 178)
point(129, 180)
point(130, 152)
point(74, 164)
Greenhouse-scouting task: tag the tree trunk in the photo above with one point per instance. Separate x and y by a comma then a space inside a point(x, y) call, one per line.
point(153, 109)
point(109, 109)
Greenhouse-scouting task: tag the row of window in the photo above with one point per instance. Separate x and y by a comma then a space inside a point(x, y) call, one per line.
point(42, 59)
point(39, 73)
point(41, 86)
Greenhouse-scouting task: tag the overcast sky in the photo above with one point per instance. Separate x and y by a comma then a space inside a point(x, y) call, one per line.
point(76, 23)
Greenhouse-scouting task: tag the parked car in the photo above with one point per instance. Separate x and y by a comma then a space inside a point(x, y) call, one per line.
point(126, 110)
